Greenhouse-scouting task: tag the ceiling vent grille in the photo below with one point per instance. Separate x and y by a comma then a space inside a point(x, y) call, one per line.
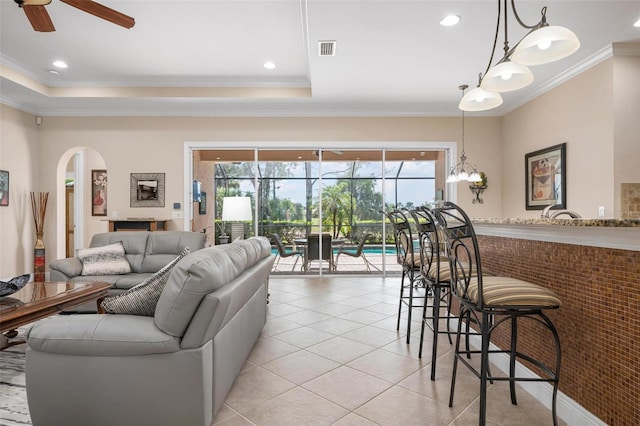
point(327, 48)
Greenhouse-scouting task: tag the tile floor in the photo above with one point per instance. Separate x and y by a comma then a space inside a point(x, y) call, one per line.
point(330, 355)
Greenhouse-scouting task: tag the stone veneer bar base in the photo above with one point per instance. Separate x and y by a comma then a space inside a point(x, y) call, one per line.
point(598, 323)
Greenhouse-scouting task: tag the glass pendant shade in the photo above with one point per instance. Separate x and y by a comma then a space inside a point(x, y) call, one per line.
point(545, 45)
point(479, 99)
point(507, 76)
point(452, 178)
point(474, 177)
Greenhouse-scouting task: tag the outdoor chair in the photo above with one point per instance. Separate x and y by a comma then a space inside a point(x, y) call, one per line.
point(409, 260)
point(357, 253)
point(436, 274)
point(494, 301)
point(282, 252)
point(312, 251)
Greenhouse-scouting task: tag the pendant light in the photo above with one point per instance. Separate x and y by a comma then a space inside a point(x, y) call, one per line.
point(459, 172)
point(543, 44)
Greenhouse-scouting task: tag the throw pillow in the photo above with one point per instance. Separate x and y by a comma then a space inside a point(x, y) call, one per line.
point(142, 298)
point(104, 260)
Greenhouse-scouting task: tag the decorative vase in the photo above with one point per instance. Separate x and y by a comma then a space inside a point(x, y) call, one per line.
point(38, 258)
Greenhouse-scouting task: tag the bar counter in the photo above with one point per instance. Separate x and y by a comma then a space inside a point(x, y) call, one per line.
point(594, 266)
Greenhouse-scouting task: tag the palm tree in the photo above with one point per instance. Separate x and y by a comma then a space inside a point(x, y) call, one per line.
point(335, 206)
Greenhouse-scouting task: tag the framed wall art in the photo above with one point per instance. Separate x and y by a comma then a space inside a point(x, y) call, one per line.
point(98, 192)
point(4, 188)
point(545, 178)
point(147, 190)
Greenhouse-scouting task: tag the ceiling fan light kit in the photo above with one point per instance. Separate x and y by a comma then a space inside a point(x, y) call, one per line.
point(543, 44)
point(41, 21)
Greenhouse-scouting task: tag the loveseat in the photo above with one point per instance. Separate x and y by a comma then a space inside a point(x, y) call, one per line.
point(146, 252)
point(174, 368)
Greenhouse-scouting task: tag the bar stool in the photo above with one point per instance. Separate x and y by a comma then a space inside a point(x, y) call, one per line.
point(410, 263)
point(436, 274)
point(492, 301)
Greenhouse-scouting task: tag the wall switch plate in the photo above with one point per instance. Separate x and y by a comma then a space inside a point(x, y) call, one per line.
point(114, 214)
point(601, 211)
point(177, 215)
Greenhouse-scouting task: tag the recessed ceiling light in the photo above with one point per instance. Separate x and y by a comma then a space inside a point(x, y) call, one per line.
point(450, 20)
point(269, 65)
point(54, 72)
point(637, 23)
point(60, 64)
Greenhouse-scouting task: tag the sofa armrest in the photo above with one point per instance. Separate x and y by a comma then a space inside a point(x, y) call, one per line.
point(100, 335)
point(65, 269)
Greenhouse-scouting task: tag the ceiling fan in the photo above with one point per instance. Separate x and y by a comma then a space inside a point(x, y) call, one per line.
point(41, 21)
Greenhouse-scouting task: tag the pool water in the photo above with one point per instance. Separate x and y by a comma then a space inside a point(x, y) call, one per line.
point(367, 250)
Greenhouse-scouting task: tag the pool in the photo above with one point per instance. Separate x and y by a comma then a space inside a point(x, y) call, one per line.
point(389, 250)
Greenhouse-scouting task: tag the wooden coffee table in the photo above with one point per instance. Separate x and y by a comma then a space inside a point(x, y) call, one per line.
point(37, 300)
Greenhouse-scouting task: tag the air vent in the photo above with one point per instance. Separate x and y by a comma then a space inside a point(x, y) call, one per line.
point(327, 48)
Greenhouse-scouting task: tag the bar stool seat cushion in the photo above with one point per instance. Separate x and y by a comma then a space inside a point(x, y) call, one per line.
point(511, 292)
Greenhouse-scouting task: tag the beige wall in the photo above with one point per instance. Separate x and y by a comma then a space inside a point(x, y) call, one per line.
point(626, 166)
point(20, 155)
point(580, 113)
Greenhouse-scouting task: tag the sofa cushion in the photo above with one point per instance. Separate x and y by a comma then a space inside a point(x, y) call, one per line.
point(105, 260)
point(201, 273)
point(135, 244)
point(142, 298)
point(162, 247)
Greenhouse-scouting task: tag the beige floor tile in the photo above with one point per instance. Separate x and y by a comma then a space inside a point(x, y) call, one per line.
point(363, 316)
point(358, 302)
point(398, 406)
point(236, 420)
point(386, 365)
point(268, 348)
point(304, 337)
point(340, 349)
point(372, 336)
point(278, 325)
point(336, 326)
point(388, 309)
point(255, 386)
point(296, 407)
point(224, 413)
point(306, 317)
point(353, 419)
point(300, 367)
point(334, 309)
point(347, 387)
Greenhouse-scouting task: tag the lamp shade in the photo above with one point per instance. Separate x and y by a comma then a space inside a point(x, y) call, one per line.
point(545, 45)
point(236, 209)
point(479, 99)
point(507, 76)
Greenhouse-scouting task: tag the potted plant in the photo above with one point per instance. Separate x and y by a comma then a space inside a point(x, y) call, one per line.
point(223, 238)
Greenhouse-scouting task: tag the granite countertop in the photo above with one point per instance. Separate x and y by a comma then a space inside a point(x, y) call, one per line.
point(609, 223)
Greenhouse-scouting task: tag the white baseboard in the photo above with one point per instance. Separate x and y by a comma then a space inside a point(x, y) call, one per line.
point(568, 410)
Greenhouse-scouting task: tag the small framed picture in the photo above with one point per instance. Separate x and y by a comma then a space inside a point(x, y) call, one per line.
point(98, 192)
point(545, 178)
point(4, 188)
point(203, 202)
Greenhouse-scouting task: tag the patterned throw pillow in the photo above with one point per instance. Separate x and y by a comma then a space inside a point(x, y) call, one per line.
point(142, 298)
point(105, 260)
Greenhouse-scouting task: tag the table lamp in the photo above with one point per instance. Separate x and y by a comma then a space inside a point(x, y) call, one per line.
point(236, 210)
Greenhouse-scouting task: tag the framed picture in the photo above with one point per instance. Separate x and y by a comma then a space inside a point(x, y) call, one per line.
point(203, 202)
point(545, 178)
point(4, 188)
point(98, 192)
point(147, 190)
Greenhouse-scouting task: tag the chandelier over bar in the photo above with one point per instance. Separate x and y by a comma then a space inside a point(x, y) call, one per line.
point(463, 171)
point(542, 44)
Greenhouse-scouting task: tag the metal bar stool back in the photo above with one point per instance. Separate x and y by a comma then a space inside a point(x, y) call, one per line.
point(436, 275)
point(492, 301)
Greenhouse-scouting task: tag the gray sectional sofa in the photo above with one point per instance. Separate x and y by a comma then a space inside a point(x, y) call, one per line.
point(174, 368)
point(146, 252)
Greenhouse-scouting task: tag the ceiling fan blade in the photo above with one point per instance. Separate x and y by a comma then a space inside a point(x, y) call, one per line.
point(39, 18)
point(108, 14)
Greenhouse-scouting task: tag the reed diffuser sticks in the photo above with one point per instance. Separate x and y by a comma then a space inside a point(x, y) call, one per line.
point(39, 208)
